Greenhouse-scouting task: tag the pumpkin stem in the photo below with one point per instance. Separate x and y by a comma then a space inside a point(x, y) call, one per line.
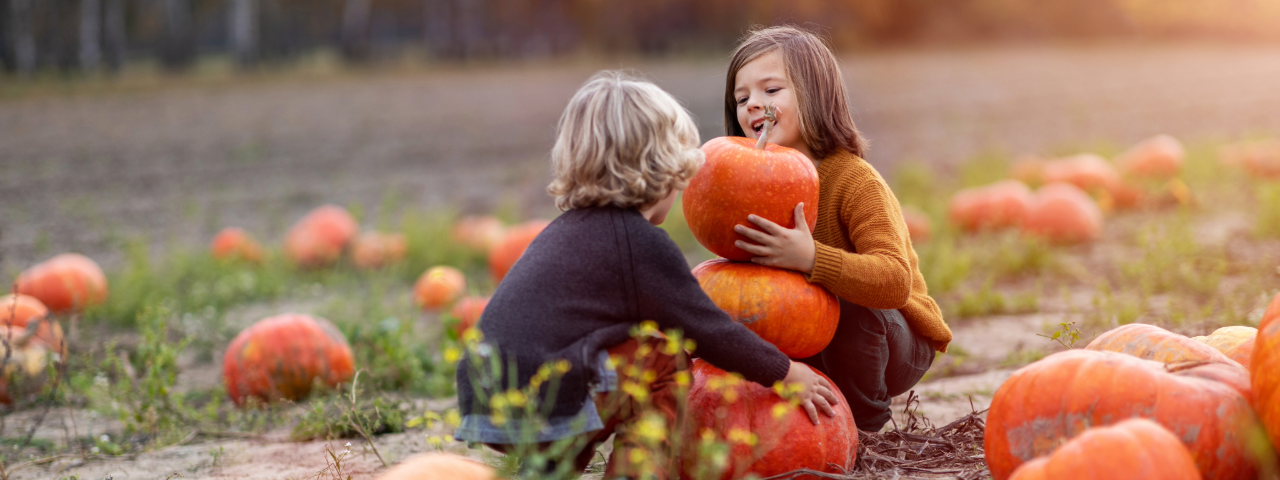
point(770, 118)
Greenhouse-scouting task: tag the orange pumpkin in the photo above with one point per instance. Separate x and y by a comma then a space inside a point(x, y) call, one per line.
point(1135, 449)
point(439, 466)
point(438, 287)
point(282, 356)
point(375, 249)
point(235, 244)
point(1158, 157)
point(27, 352)
point(766, 434)
point(468, 312)
point(17, 309)
point(1154, 343)
point(738, 180)
point(1264, 368)
point(1236, 342)
point(783, 308)
point(478, 232)
point(918, 225)
point(320, 237)
point(998, 205)
point(504, 254)
point(1088, 171)
point(1260, 159)
point(1059, 397)
point(66, 282)
point(1062, 213)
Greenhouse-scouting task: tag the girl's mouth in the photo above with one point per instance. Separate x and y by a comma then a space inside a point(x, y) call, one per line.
point(758, 126)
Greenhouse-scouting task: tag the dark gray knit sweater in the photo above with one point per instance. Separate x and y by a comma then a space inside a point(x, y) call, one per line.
point(592, 275)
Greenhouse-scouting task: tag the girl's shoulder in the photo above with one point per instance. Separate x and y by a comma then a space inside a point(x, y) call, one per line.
point(847, 169)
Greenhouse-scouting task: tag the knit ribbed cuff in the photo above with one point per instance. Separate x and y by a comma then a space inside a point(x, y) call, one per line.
point(827, 263)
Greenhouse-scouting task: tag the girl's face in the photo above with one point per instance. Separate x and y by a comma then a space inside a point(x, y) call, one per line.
point(763, 82)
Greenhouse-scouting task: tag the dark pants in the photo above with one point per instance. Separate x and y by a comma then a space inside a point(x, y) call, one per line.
point(874, 357)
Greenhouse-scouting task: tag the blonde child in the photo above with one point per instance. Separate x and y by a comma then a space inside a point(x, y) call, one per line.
point(859, 249)
point(624, 149)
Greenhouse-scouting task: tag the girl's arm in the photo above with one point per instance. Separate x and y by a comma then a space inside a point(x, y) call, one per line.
point(878, 276)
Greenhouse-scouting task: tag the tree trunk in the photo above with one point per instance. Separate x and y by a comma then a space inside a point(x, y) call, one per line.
point(21, 15)
point(244, 31)
point(178, 50)
point(90, 34)
point(355, 29)
point(114, 33)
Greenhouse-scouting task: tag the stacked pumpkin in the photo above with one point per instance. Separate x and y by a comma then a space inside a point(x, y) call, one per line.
point(742, 177)
point(1190, 388)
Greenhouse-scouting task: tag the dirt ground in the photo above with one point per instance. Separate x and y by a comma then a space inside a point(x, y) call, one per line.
point(84, 172)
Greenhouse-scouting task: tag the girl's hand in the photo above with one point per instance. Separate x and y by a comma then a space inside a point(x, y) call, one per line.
point(816, 394)
point(789, 248)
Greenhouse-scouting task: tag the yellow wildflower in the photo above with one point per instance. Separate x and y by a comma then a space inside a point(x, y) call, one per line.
point(452, 355)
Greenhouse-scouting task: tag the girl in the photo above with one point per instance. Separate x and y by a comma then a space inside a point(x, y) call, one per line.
point(859, 249)
point(625, 148)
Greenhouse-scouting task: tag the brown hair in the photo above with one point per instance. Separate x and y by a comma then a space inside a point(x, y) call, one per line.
point(826, 124)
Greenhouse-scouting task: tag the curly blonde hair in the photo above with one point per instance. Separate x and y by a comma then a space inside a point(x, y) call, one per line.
point(622, 141)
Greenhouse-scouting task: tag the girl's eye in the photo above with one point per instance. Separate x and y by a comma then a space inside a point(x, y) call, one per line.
point(772, 91)
point(742, 100)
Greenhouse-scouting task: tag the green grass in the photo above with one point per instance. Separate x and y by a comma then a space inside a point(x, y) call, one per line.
point(1268, 223)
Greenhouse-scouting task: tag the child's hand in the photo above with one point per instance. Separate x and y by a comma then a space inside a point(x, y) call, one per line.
point(816, 391)
point(789, 248)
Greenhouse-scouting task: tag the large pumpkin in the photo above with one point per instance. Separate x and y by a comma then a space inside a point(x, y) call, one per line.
point(468, 312)
point(783, 308)
point(439, 466)
point(504, 254)
point(738, 180)
point(438, 287)
point(767, 435)
point(1236, 342)
point(1134, 449)
point(1059, 397)
point(1088, 171)
point(1264, 368)
point(998, 205)
point(282, 356)
point(1158, 157)
point(478, 232)
point(235, 244)
point(320, 237)
point(1154, 343)
point(66, 282)
point(1061, 213)
point(375, 249)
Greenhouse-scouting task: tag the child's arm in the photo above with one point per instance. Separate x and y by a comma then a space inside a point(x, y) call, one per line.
point(878, 276)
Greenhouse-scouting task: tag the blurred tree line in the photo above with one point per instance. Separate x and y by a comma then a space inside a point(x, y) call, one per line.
point(93, 35)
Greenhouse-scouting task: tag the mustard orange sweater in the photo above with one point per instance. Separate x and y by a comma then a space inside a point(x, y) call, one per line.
point(863, 252)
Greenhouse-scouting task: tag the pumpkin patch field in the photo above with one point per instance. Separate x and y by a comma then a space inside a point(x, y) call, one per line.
point(277, 276)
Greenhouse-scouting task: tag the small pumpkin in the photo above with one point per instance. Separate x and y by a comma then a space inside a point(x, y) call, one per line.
point(439, 466)
point(1236, 342)
point(1260, 159)
point(998, 205)
point(376, 249)
point(1159, 157)
point(479, 232)
point(766, 434)
point(282, 356)
point(66, 282)
point(320, 237)
point(743, 177)
point(1062, 395)
point(233, 243)
point(1135, 449)
point(1061, 213)
point(1154, 343)
point(918, 224)
point(783, 308)
point(438, 287)
point(507, 251)
point(27, 352)
point(17, 309)
point(468, 312)
point(1088, 171)
point(1264, 368)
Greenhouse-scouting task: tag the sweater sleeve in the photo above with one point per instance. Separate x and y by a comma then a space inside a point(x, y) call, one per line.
point(669, 295)
point(879, 275)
